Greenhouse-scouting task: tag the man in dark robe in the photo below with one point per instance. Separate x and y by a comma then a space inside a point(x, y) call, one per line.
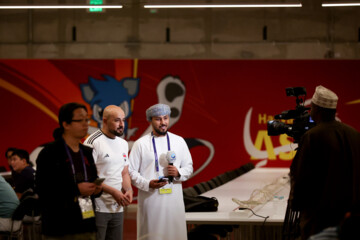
point(325, 173)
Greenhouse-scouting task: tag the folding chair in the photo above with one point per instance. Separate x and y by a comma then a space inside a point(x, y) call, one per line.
point(28, 207)
point(31, 220)
point(16, 229)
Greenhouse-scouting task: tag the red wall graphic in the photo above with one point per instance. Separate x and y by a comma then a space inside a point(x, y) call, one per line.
point(220, 106)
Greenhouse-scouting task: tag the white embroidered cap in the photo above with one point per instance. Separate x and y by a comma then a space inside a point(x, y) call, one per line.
point(157, 110)
point(325, 98)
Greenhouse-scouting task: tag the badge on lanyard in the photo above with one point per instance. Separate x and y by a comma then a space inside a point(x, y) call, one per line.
point(86, 207)
point(167, 189)
point(85, 203)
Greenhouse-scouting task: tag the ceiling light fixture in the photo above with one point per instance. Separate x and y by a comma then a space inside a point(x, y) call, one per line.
point(223, 5)
point(340, 4)
point(59, 6)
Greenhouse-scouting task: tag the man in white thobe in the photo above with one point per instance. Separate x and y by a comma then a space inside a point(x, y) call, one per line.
point(161, 211)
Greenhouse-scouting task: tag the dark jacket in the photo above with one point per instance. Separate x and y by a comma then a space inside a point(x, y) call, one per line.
point(24, 180)
point(58, 191)
point(325, 175)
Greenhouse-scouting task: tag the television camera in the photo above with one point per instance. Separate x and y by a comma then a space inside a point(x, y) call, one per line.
point(302, 120)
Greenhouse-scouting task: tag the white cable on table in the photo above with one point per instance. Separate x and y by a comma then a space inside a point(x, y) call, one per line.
point(262, 196)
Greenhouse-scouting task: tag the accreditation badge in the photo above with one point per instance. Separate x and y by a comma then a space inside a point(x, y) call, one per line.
point(167, 189)
point(86, 207)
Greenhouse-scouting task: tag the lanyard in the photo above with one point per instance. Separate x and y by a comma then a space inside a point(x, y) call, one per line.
point(72, 162)
point(155, 153)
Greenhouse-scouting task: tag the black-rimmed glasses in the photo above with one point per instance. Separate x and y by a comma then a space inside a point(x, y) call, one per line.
point(85, 120)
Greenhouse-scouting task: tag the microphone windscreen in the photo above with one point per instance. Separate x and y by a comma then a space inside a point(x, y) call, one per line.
point(171, 157)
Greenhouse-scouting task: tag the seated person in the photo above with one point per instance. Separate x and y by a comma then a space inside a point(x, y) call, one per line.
point(8, 177)
point(8, 154)
point(8, 204)
point(25, 174)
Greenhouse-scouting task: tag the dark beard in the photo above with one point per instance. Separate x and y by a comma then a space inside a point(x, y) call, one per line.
point(117, 133)
point(159, 132)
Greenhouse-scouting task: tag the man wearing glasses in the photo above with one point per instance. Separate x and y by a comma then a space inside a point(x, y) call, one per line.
point(64, 179)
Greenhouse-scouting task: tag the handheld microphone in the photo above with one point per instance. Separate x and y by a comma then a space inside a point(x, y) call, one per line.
point(171, 158)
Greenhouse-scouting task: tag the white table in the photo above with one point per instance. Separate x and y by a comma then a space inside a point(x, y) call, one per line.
point(242, 188)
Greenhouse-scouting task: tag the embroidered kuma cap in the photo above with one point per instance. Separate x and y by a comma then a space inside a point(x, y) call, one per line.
point(325, 98)
point(157, 110)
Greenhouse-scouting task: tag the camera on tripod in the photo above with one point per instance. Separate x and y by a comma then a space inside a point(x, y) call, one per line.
point(302, 120)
